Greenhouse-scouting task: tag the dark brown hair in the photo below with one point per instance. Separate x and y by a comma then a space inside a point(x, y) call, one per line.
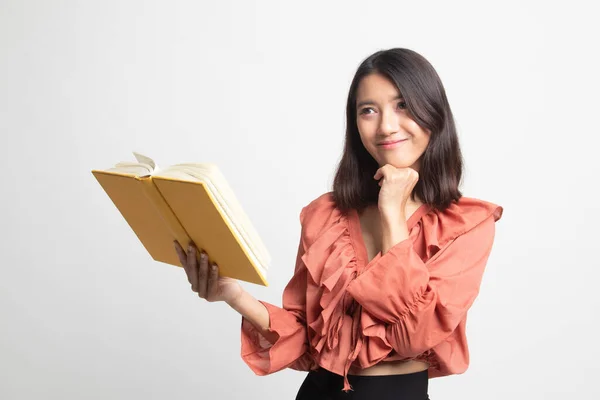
point(441, 164)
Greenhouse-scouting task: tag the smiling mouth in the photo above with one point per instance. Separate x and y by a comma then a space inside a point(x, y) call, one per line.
point(389, 143)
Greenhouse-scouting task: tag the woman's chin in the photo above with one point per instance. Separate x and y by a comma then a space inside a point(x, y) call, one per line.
point(395, 163)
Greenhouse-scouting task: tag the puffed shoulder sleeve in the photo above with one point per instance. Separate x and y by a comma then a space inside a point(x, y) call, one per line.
point(421, 303)
point(290, 350)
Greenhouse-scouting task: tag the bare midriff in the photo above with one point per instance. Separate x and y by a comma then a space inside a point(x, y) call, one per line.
point(391, 368)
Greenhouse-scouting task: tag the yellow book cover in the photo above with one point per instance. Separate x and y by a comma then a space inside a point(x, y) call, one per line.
point(186, 202)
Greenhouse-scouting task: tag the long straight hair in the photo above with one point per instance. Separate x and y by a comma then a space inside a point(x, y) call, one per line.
point(441, 163)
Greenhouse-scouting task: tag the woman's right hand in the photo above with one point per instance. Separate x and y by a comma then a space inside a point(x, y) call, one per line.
point(205, 280)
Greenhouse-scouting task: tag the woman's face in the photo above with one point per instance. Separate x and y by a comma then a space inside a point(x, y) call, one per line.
point(381, 116)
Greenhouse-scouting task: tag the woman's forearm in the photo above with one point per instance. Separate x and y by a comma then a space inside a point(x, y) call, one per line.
point(255, 312)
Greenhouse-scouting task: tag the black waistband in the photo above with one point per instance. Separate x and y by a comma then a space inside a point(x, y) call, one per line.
point(411, 386)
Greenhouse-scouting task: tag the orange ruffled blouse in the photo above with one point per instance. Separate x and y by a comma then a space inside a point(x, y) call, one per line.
point(340, 310)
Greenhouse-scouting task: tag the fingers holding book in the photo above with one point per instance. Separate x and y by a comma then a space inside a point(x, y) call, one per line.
point(190, 270)
point(204, 278)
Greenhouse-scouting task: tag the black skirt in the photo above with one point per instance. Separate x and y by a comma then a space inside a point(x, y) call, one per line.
point(322, 384)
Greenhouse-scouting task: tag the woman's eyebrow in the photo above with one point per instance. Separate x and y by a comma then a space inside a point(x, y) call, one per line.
point(368, 101)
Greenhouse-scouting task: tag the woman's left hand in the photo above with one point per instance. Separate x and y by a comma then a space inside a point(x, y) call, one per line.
point(396, 186)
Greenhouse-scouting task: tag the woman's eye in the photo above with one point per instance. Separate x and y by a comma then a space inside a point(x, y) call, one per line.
point(402, 105)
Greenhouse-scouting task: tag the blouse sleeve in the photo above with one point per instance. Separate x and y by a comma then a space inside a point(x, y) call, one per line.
point(290, 350)
point(421, 303)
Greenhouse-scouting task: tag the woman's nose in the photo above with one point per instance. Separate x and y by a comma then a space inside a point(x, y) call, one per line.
point(390, 122)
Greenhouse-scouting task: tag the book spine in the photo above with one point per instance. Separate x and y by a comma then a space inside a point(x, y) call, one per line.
point(165, 211)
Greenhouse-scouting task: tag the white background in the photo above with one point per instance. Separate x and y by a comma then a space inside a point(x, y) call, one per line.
point(260, 89)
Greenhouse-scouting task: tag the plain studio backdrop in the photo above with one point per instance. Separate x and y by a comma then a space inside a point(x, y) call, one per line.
point(259, 88)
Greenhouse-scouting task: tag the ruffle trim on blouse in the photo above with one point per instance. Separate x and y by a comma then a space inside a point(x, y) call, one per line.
point(264, 357)
point(458, 218)
point(331, 260)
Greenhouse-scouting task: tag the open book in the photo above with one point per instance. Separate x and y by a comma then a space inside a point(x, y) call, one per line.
point(187, 202)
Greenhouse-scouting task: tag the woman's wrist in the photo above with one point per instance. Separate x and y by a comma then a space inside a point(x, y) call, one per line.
point(394, 229)
point(237, 300)
point(255, 312)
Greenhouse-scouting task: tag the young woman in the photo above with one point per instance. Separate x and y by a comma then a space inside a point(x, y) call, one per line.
point(389, 262)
